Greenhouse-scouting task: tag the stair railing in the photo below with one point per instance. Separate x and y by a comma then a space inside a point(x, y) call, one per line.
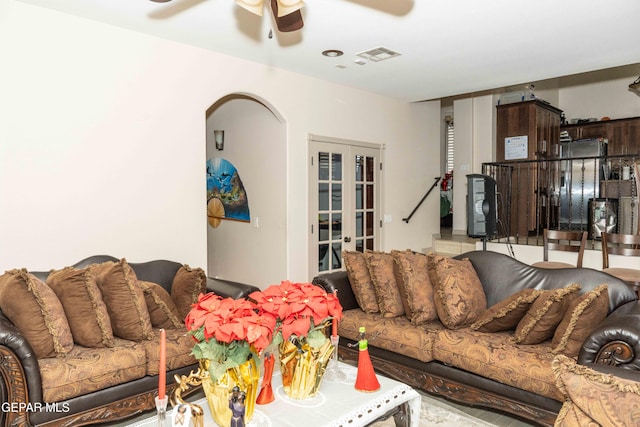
point(435, 183)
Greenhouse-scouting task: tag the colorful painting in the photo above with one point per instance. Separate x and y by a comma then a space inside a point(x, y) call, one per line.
point(226, 196)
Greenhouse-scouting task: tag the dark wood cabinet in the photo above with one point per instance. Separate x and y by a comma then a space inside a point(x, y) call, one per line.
point(537, 120)
point(534, 126)
point(623, 135)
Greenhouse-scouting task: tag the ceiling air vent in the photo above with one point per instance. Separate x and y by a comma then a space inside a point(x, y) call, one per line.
point(378, 54)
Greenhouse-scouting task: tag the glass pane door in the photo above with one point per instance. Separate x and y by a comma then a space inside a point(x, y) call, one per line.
point(365, 194)
point(330, 186)
point(344, 202)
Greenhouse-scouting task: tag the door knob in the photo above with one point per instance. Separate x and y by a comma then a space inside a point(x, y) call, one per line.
point(347, 239)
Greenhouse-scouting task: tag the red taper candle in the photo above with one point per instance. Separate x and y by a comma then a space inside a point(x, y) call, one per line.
point(162, 370)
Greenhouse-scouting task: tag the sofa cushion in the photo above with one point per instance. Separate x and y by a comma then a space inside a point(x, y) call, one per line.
point(83, 305)
point(395, 334)
point(360, 281)
point(506, 314)
point(187, 284)
point(572, 416)
point(84, 370)
point(36, 311)
point(162, 310)
point(605, 399)
point(178, 348)
point(124, 299)
point(494, 356)
point(415, 286)
point(544, 315)
point(384, 281)
point(459, 296)
point(583, 315)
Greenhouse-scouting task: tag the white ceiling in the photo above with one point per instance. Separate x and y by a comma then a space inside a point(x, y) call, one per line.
point(447, 48)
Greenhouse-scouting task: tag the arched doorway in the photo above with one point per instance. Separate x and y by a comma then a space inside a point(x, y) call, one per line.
point(250, 247)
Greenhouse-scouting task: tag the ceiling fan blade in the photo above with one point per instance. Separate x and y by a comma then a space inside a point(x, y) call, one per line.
point(253, 6)
point(287, 23)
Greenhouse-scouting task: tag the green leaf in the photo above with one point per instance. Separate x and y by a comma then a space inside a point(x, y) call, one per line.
point(316, 338)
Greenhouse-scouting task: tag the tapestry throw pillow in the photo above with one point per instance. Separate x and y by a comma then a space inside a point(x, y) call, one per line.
point(124, 299)
point(360, 281)
point(36, 311)
point(380, 266)
point(604, 398)
point(415, 286)
point(458, 293)
point(583, 315)
point(506, 314)
point(162, 310)
point(540, 321)
point(187, 284)
point(84, 307)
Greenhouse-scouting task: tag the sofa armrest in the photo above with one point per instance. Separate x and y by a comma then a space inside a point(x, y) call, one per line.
point(19, 370)
point(616, 341)
point(227, 288)
point(338, 281)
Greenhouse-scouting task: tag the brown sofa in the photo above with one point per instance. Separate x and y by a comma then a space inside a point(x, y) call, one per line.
point(440, 351)
point(79, 345)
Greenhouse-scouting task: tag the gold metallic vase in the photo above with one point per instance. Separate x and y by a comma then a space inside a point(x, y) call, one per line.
point(219, 393)
point(303, 368)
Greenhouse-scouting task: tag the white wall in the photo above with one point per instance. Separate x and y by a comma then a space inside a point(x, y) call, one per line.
point(255, 143)
point(102, 146)
point(592, 255)
point(408, 173)
point(463, 160)
point(599, 94)
point(474, 130)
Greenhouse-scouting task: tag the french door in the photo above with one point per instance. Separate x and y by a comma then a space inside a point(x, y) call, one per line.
point(344, 199)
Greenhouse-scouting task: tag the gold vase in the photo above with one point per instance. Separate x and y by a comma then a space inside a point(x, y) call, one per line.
point(218, 393)
point(303, 368)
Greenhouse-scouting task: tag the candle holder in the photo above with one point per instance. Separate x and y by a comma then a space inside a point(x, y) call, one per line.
point(334, 373)
point(161, 408)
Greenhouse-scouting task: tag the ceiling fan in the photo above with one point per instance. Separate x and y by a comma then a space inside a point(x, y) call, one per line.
point(285, 12)
point(288, 17)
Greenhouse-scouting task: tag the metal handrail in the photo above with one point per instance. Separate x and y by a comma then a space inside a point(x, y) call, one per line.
point(437, 179)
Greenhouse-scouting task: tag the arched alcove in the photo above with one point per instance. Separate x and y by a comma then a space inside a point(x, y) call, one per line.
point(250, 248)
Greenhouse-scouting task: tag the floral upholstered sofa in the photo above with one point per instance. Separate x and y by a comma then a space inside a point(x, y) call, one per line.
point(483, 328)
point(80, 345)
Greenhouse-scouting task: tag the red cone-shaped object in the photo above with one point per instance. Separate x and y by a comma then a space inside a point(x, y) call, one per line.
point(266, 391)
point(366, 379)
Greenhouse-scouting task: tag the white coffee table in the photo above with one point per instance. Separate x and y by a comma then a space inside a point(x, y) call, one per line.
point(337, 404)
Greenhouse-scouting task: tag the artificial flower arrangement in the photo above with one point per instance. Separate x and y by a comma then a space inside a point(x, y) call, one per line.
point(302, 311)
point(228, 331)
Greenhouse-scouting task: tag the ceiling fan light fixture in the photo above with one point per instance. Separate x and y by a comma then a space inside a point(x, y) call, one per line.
point(286, 7)
point(253, 6)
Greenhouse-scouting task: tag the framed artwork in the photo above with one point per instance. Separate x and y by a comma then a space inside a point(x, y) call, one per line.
point(226, 195)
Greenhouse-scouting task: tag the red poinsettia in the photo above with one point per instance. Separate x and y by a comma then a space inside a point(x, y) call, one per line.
point(227, 320)
point(228, 331)
point(300, 308)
